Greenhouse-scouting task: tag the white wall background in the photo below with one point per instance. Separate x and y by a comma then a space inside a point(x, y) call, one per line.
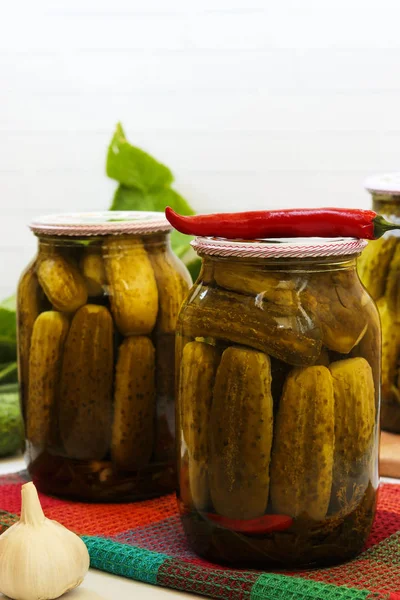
point(251, 103)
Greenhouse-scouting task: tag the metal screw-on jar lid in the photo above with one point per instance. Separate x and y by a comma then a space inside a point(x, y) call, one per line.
point(279, 248)
point(101, 223)
point(385, 184)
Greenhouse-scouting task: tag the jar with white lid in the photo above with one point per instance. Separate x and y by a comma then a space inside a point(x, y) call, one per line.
point(97, 311)
point(278, 368)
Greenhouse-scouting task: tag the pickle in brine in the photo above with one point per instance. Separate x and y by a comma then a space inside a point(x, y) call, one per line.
point(48, 337)
point(134, 402)
point(131, 284)
point(241, 429)
point(291, 337)
point(338, 309)
point(28, 308)
point(197, 372)
point(92, 267)
point(276, 287)
point(172, 284)
point(85, 407)
point(180, 343)
point(62, 283)
point(392, 292)
point(371, 344)
point(373, 265)
point(354, 393)
point(390, 351)
point(302, 456)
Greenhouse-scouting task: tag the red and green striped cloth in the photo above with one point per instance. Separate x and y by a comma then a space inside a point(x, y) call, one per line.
point(145, 541)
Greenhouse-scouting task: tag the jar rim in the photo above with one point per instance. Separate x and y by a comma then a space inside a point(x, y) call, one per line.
point(388, 183)
point(279, 248)
point(101, 223)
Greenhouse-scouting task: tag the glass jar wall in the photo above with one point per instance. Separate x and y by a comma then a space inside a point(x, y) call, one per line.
point(278, 367)
point(379, 269)
point(97, 310)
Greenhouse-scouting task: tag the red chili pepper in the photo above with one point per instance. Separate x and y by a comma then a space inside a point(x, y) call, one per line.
point(264, 524)
point(297, 222)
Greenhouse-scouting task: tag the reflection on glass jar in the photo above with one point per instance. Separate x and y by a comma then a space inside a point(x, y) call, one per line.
point(97, 312)
point(278, 366)
point(379, 270)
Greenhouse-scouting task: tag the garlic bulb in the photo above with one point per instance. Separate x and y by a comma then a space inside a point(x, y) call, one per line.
point(39, 558)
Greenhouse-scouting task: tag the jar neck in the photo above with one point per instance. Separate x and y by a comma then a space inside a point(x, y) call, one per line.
point(305, 265)
point(157, 242)
point(387, 205)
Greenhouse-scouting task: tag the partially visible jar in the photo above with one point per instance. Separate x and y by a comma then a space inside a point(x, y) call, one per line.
point(97, 311)
point(278, 362)
point(379, 270)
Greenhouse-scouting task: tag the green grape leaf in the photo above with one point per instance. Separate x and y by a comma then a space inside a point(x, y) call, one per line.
point(133, 167)
point(126, 198)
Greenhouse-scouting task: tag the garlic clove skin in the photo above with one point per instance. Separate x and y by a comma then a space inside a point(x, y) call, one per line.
point(40, 559)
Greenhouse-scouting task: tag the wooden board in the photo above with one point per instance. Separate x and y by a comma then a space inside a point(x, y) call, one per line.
point(389, 457)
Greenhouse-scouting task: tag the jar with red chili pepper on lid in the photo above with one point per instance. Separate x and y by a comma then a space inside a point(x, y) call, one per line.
point(278, 379)
point(379, 270)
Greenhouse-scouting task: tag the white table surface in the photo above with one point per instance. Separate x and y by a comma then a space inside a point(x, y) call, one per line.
point(103, 586)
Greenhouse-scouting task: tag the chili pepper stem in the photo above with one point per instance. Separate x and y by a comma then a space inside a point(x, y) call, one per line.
point(381, 226)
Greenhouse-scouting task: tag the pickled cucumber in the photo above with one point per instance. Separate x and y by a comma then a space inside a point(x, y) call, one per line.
point(304, 438)
point(241, 425)
point(337, 309)
point(48, 337)
point(354, 393)
point(373, 265)
point(370, 347)
point(62, 282)
point(244, 320)
point(172, 288)
point(134, 404)
point(197, 372)
point(28, 308)
point(276, 287)
point(92, 267)
point(390, 352)
point(85, 407)
point(392, 291)
point(131, 285)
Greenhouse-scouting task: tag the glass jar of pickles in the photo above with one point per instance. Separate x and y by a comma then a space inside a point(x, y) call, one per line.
point(278, 368)
point(97, 311)
point(379, 269)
